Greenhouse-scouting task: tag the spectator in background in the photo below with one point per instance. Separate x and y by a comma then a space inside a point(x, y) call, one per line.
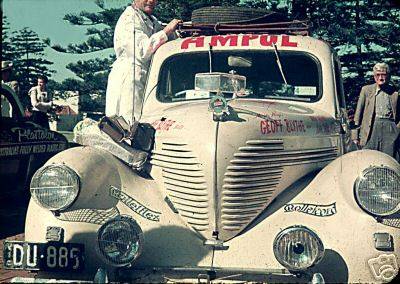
point(41, 102)
point(6, 70)
point(137, 36)
point(378, 114)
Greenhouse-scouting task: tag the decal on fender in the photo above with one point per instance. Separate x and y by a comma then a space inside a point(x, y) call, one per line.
point(311, 209)
point(166, 125)
point(384, 267)
point(135, 205)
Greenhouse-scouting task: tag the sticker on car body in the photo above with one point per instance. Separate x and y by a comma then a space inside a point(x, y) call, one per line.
point(135, 205)
point(384, 267)
point(166, 124)
point(311, 209)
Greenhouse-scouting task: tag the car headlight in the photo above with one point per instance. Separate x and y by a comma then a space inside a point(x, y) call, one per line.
point(55, 187)
point(298, 248)
point(120, 241)
point(377, 191)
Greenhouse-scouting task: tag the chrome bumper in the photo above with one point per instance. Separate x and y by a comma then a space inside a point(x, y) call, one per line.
point(191, 275)
point(215, 275)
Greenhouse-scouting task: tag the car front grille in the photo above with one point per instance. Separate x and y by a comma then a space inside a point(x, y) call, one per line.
point(254, 174)
point(251, 180)
point(184, 182)
point(249, 183)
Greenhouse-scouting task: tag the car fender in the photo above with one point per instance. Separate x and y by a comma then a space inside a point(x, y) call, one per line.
point(96, 169)
point(324, 203)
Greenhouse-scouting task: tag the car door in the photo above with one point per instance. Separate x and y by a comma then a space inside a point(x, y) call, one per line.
point(13, 162)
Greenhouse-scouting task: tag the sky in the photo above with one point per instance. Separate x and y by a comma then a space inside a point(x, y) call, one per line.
point(45, 17)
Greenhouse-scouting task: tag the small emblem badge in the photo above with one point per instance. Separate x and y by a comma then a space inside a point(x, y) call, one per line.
point(54, 234)
point(218, 104)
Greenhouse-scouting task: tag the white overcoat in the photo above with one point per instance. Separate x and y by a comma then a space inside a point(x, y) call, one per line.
point(136, 38)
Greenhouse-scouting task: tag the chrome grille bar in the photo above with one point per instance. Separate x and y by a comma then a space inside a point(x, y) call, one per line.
point(184, 182)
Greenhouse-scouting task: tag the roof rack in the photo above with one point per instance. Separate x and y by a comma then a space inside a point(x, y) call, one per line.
point(188, 29)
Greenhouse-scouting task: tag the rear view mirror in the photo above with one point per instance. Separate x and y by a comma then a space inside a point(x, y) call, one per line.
point(239, 61)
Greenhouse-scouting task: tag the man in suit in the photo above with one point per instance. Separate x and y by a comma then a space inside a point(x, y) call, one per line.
point(378, 114)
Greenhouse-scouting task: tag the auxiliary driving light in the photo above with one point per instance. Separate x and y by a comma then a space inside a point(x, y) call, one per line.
point(377, 191)
point(120, 241)
point(55, 187)
point(298, 248)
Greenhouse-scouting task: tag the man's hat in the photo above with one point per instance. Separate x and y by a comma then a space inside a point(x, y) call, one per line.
point(6, 65)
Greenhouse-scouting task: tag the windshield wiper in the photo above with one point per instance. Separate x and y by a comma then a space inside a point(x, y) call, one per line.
point(278, 61)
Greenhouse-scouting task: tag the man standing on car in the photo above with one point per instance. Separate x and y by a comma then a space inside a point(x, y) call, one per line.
point(137, 36)
point(378, 114)
point(41, 102)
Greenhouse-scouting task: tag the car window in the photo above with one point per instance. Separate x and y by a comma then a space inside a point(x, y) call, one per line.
point(264, 79)
point(6, 107)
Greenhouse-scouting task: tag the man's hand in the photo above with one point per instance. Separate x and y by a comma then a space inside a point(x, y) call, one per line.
point(171, 27)
point(56, 108)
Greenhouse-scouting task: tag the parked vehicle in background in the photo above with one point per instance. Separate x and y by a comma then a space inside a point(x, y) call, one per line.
point(24, 146)
point(250, 176)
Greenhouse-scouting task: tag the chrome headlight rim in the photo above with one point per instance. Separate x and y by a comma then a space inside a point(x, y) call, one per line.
point(70, 171)
point(360, 179)
point(282, 233)
point(138, 230)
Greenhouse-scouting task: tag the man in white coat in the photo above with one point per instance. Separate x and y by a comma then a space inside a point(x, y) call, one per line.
point(137, 36)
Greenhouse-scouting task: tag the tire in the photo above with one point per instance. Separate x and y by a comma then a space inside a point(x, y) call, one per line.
point(219, 14)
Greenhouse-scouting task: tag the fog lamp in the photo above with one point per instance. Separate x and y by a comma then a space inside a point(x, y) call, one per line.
point(120, 241)
point(298, 248)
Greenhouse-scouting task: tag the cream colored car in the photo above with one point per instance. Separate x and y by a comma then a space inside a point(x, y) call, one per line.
point(250, 178)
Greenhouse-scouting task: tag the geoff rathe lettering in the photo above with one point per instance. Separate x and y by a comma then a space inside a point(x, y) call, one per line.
point(241, 40)
point(279, 126)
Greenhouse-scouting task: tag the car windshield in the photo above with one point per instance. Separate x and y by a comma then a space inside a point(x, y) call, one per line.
point(264, 79)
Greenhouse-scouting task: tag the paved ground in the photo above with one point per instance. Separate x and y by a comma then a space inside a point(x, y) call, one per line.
point(12, 222)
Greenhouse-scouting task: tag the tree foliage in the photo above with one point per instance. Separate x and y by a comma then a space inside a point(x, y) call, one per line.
point(26, 50)
point(363, 32)
point(28, 58)
point(7, 52)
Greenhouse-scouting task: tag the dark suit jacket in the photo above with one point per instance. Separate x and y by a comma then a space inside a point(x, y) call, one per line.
point(365, 112)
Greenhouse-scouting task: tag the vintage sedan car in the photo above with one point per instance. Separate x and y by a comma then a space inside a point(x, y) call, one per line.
point(24, 146)
point(250, 178)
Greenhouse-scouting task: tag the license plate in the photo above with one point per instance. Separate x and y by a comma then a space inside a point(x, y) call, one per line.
point(43, 256)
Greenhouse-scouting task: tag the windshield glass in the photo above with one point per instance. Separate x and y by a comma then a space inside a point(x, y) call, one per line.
point(263, 77)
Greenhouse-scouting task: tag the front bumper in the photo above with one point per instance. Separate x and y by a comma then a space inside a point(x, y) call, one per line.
point(200, 274)
point(192, 275)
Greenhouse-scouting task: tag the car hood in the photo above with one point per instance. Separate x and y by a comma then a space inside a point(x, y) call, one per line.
point(220, 175)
